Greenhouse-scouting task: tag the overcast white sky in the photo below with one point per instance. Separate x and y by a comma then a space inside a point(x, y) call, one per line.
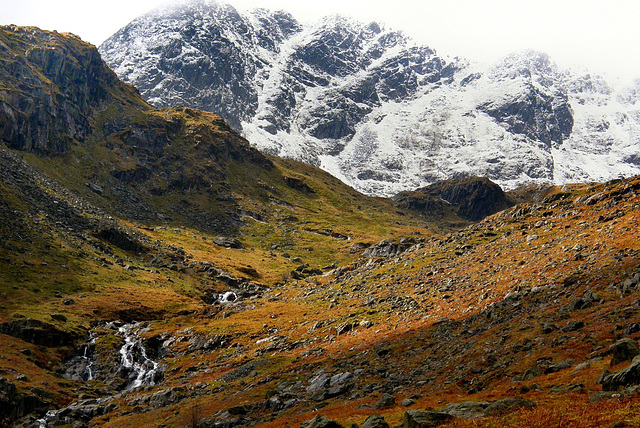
point(602, 35)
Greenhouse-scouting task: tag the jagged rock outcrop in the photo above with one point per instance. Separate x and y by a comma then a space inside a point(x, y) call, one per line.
point(471, 198)
point(38, 332)
point(53, 84)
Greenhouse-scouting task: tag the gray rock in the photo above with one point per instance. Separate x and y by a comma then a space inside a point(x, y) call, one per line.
point(531, 372)
point(318, 382)
point(578, 304)
point(95, 188)
point(320, 422)
point(624, 350)
point(339, 378)
point(603, 396)
point(573, 326)
point(548, 328)
point(424, 419)
point(582, 366)
point(226, 242)
point(388, 248)
point(385, 401)
point(508, 405)
point(165, 397)
point(59, 317)
point(467, 410)
point(375, 421)
point(407, 402)
point(238, 410)
point(624, 378)
point(557, 367)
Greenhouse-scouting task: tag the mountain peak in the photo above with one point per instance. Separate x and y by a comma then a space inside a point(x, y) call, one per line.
point(376, 109)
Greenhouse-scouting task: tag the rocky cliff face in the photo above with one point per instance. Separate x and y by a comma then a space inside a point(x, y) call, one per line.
point(374, 108)
point(52, 86)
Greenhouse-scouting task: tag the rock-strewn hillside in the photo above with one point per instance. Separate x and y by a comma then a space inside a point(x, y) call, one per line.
point(375, 109)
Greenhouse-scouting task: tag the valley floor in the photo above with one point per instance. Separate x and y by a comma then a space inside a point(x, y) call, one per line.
point(514, 316)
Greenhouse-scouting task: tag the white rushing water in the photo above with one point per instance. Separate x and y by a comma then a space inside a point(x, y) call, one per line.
point(134, 357)
point(227, 297)
point(86, 357)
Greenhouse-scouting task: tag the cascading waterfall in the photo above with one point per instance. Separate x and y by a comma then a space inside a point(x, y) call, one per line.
point(86, 357)
point(227, 297)
point(144, 371)
point(43, 423)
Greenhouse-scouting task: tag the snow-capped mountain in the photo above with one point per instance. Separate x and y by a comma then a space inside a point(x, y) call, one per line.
point(375, 109)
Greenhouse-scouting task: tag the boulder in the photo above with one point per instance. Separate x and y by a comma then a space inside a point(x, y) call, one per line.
point(508, 405)
point(557, 367)
point(424, 419)
point(318, 382)
point(226, 242)
point(385, 401)
point(467, 410)
point(320, 422)
point(624, 378)
point(624, 350)
point(573, 326)
point(375, 421)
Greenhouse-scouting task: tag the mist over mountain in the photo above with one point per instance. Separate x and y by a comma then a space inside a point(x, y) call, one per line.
point(375, 109)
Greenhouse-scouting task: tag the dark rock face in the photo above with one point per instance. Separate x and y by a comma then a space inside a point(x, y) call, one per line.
point(297, 184)
point(622, 379)
point(38, 333)
point(14, 405)
point(46, 116)
point(624, 350)
point(536, 115)
point(58, 96)
point(121, 238)
point(539, 110)
point(472, 198)
point(215, 57)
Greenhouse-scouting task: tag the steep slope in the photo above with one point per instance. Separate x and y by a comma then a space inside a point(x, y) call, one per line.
point(375, 109)
point(139, 214)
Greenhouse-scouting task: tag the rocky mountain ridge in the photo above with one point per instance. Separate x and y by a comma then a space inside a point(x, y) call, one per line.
point(372, 107)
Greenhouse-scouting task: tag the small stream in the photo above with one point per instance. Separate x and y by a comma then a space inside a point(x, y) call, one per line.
point(136, 368)
point(87, 359)
point(143, 371)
